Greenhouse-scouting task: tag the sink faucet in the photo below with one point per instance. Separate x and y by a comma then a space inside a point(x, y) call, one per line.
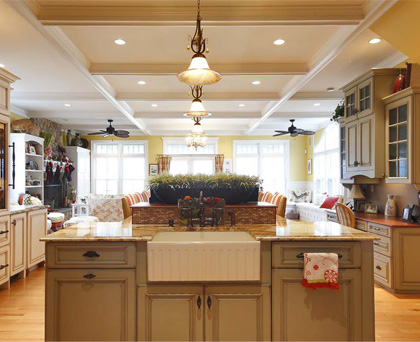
point(232, 219)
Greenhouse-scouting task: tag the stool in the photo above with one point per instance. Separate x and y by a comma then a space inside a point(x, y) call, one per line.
point(57, 220)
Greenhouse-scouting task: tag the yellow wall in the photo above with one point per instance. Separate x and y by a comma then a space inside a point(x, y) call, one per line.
point(297, 150)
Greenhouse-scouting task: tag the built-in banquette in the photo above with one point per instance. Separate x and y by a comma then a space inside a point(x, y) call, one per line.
point(99, 287)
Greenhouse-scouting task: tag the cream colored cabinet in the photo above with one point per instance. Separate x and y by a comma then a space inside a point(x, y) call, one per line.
point(37, 228)
point(352, 143)
point(171, 313)
point(325, 319)
point(358, 99)
point(237, 313)
point(4, 230)
point(4, 266)
point(90, 305)
point(18, 243)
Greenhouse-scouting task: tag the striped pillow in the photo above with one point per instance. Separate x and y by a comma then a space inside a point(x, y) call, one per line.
point(144, 196)
point(267, 197)
point(276, 199)
point(130, 199)
point(137, 197)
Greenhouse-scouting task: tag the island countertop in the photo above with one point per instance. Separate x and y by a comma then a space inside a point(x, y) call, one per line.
point(283, 230)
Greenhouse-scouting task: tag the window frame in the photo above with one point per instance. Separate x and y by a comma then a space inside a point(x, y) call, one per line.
point(120, 144)
point(259, 155)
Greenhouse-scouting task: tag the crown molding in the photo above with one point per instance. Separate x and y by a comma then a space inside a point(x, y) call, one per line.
point(19, 111)
point(392, 61)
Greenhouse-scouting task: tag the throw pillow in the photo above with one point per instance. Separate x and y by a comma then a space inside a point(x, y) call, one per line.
point(329, 202)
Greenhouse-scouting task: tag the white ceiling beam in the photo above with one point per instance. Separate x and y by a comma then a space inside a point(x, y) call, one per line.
point(147, 13)
point(315, 95)
point(209, 96)
point(69, 50)
point(71, 115)
point(178, 115)
point(224, 69)
point(300, 115)
point(59, 97)
point(338, 42)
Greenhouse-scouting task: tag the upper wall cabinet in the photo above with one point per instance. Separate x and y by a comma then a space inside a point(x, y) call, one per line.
point(6, 78)
point(363, 125)
point(402, 137)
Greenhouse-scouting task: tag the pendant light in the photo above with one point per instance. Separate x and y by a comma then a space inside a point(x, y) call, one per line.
point(197, 137)
point(199, 72)
point(197, 108)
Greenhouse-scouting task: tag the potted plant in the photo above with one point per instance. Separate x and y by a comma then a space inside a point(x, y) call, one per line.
point(338, 112)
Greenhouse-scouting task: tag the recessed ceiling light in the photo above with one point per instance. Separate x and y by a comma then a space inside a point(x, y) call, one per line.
point(241, 105)
point(317, 104)
point(375, 40)
point(141, 82)
point(2, 65)
point(154, 105)
point(67, 105)
point(330, 90)
point(279, 42)
point(256, 82)
point(119, 41)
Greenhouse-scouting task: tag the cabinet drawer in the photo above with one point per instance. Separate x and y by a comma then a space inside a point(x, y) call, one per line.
point(383, 246)
point(285, 254)
point(382, 269)
point(4, 264)
point(4, 230)
point(91, 255)
point(379, 229)
point(361, 225)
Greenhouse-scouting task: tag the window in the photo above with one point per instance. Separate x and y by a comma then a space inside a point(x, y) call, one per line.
point(327, 162)
point(188, 159)
point(119, 167)
point(266, 159)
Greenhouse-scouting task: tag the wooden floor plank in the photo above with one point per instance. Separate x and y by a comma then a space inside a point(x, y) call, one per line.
point(22, 312)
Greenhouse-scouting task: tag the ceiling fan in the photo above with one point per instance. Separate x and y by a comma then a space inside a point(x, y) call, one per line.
point(293, 131)
point(112, 131)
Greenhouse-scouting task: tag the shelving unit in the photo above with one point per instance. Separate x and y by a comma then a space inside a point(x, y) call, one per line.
point(22, 159)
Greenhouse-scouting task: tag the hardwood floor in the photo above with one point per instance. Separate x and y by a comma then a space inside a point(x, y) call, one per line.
point(22, 312)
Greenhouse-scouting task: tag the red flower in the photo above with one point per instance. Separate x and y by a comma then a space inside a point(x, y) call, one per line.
point(187, 198)
point(316, 267)
point(216, 199)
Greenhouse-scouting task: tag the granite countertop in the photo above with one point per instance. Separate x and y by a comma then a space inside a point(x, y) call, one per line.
point(284, 230)
point(18, 209)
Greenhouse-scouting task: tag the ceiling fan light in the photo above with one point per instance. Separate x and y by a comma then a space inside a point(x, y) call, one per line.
point(199, 72)
point(197, 109)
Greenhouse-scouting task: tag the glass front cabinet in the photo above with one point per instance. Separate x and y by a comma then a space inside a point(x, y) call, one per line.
point(402, 146)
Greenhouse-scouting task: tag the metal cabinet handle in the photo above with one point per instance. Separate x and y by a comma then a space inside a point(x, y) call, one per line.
point(376, 228)
point(356, 163)
point(209, 302)
point(13, 166)
point(4, 232)
point(378, 267)
point(376, 243)
point(301, 255)
point(89, 276)
point(199, 302)
point(91, 254)
point(13, 222)
point(3, 266)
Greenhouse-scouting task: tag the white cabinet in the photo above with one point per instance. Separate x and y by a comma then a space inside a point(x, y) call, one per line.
point(18, 243)
point(37, 228)
point(80, 158)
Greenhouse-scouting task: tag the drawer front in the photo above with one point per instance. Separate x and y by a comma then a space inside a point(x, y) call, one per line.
point(383, 246)
point(379, 229)
point(285, 254)
point(4, 264)
point(382, 269)
point(91, 255)
point(4, 230)
point(361, 225)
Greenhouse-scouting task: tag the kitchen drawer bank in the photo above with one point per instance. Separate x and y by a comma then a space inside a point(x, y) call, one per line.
point(97, 280)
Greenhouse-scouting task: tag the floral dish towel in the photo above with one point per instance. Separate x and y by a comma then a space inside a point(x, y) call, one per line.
point(320, 270)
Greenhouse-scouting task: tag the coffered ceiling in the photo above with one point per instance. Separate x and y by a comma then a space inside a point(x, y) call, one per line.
point(64, 53)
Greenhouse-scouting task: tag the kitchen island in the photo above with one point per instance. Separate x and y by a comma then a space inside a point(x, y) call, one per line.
point(118, 281)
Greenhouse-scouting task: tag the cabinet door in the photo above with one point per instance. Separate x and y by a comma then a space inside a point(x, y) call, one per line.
point(37, 228)
point(365, 144)
point(170, 313)
point(238, 313)
point(364, 98)
point(90, 305)
point(18, 243)
point(4, 230)
point(329, 315)
point(350, 103)
point(352, 138)
point(4, 264)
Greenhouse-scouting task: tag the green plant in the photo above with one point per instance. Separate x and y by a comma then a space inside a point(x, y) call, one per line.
point(217, 181)
point(338, 112)
point(47, 138)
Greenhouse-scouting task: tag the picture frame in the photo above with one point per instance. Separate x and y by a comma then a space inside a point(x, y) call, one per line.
point(309, 166)
point(32, 149)
point(407, 213)
point(153, 169)
point(371, 208)
point(361, 206)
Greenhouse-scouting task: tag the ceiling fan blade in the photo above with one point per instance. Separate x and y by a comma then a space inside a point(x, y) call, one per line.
point(95, 133)
point(294, 134)
point(121, 134)
point(280, 133)
point(298, 131)
point(121, 131)
point(307, 133)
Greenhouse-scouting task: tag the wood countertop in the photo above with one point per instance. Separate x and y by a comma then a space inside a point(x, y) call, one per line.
point(384, 220)
point(283, 230)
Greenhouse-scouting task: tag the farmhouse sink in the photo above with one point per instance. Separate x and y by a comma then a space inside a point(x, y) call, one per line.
point(203, 256)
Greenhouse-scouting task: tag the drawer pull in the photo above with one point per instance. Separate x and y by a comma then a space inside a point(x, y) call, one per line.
point(377, 229)
point(378, 267)
point(89, 276)
point(301, 255)
point(209, 302)
point(3, 266)
point(91, 254)
point(376, 243)
point(4, 232)
point(199, 302)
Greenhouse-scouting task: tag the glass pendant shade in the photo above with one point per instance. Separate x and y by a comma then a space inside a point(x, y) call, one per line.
point(199, 73)
point(197, 129)
point(197, 109)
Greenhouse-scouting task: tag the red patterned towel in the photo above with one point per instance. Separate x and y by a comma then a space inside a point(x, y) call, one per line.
point(320, 270)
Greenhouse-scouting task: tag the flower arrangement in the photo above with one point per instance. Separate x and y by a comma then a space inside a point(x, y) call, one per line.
point(338, 112)
point(210, 209)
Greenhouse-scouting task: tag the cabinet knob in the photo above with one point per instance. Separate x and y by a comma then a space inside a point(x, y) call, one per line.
point(13, 222)
point(378, 267)
point(209, 302)
point(91, 254)
point(356, 163)
point(3, 266)
point(199, 302)
point(89, 276)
